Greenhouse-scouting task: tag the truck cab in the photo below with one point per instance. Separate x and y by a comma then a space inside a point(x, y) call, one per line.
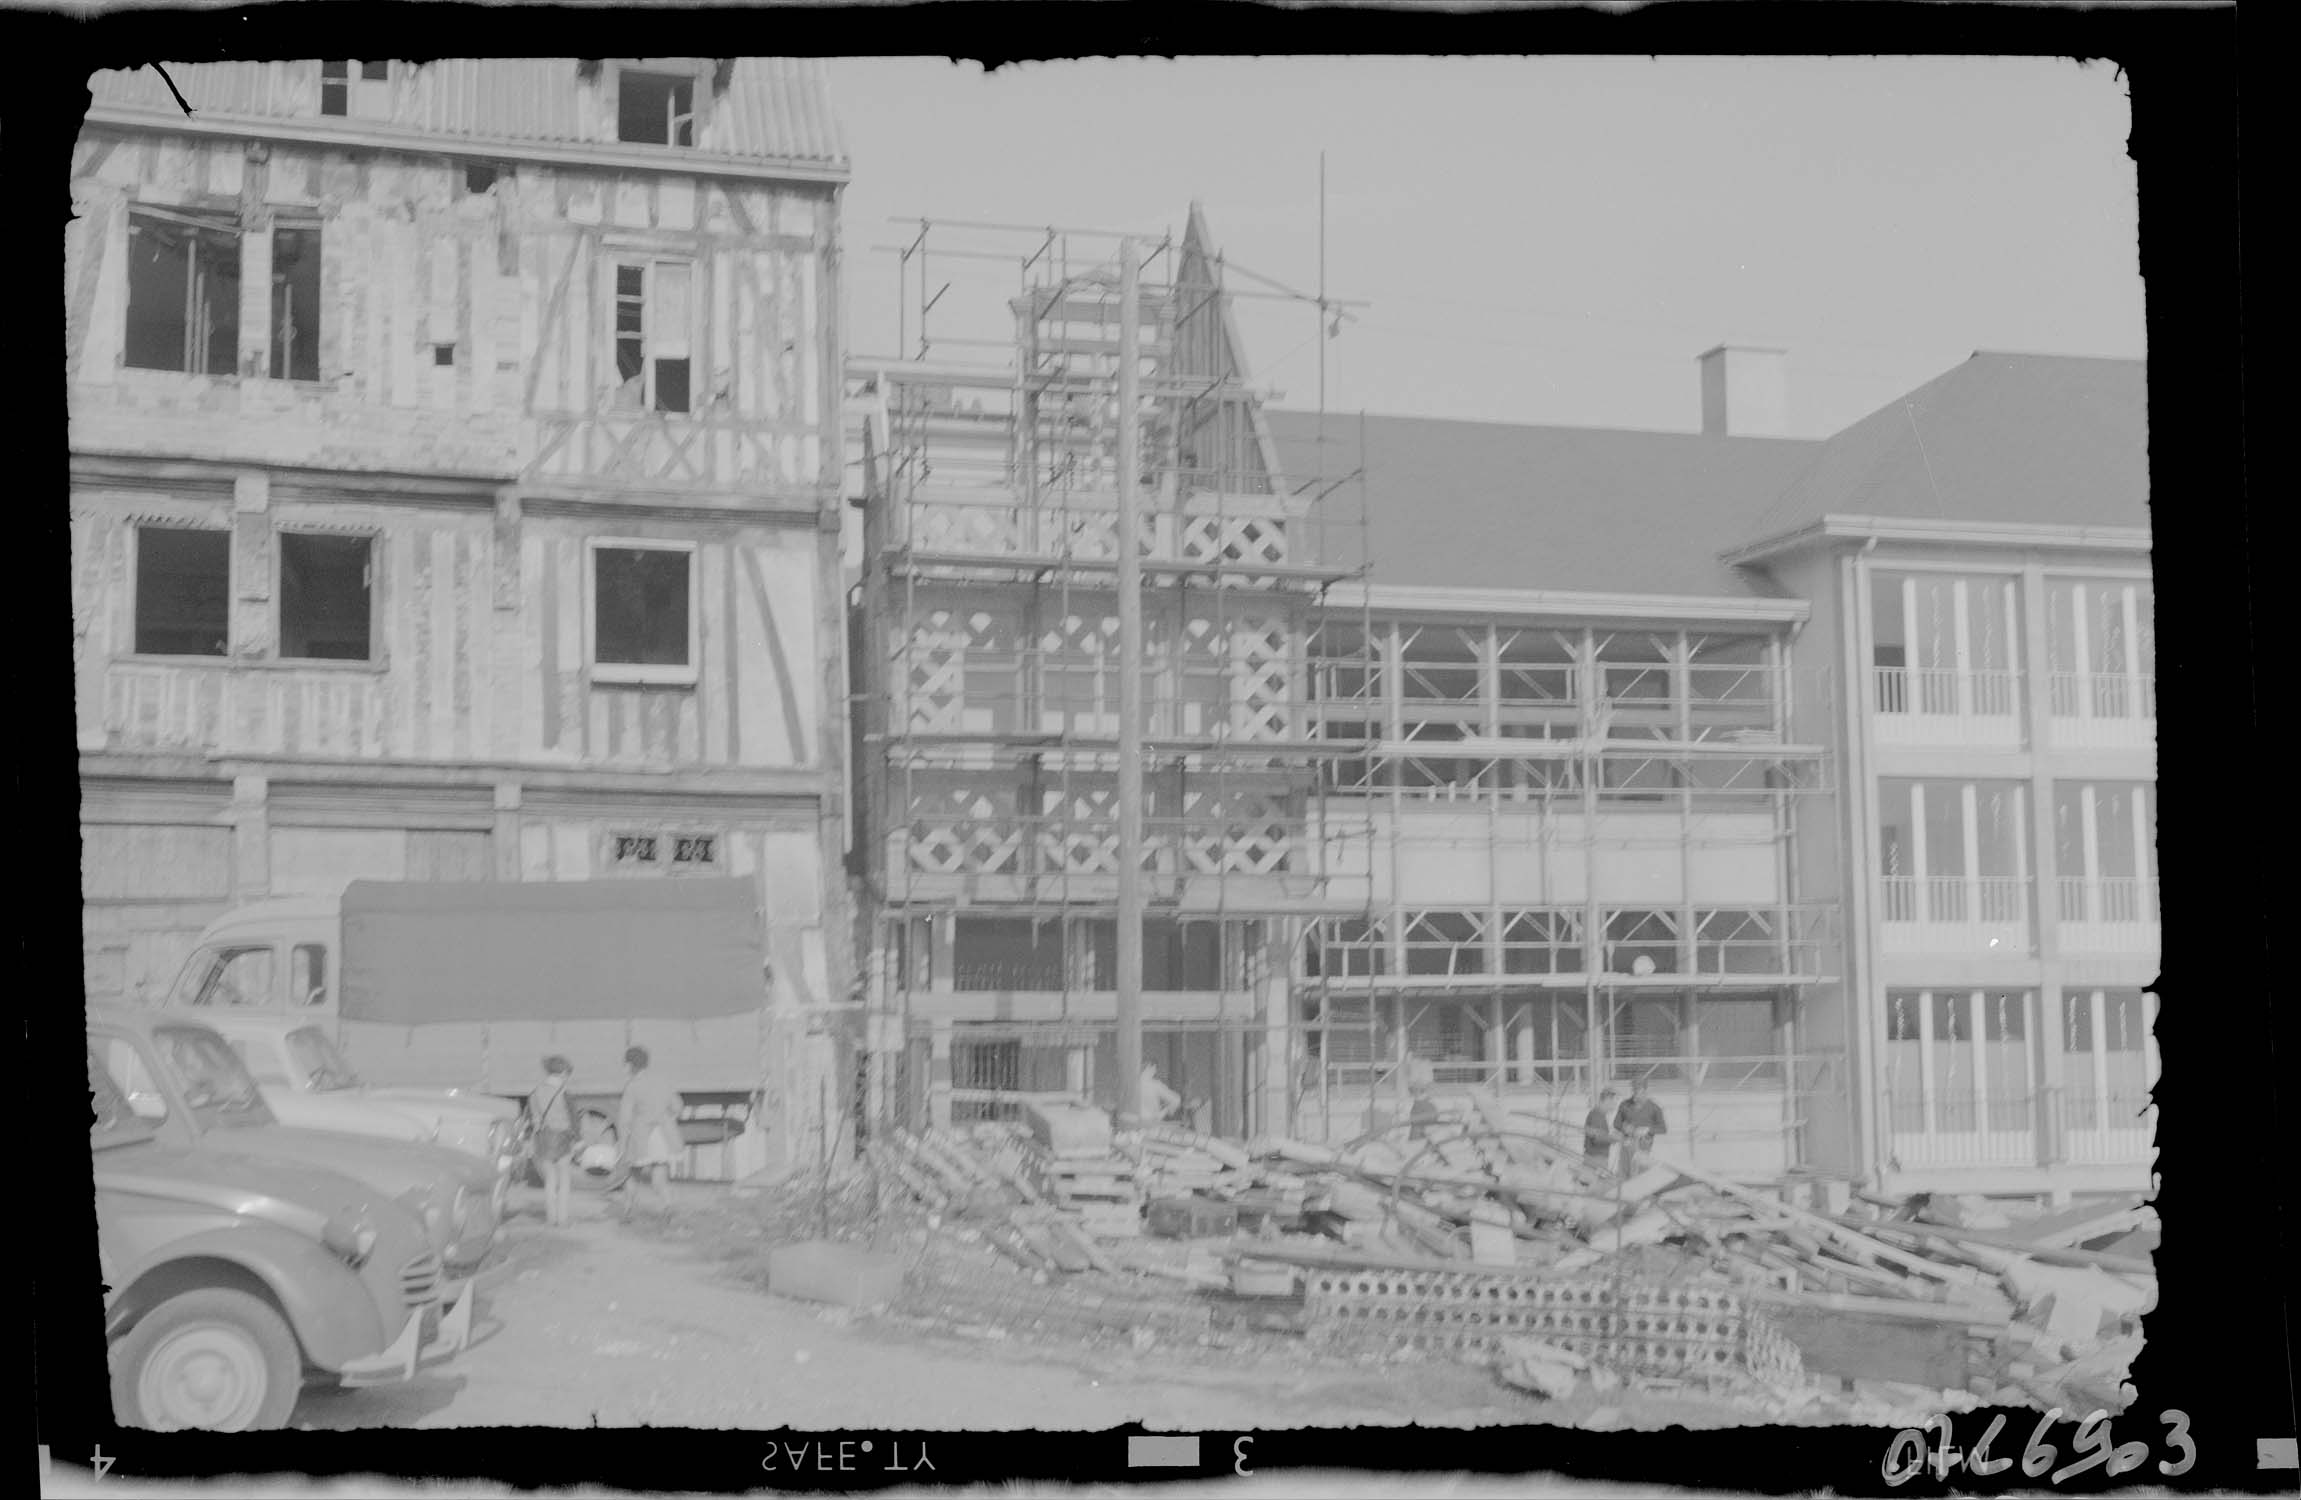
point(280, 961)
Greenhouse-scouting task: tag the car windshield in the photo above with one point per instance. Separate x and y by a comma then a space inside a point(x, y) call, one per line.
point(215, 1082)
point(316, 1059)
point(111, 1121)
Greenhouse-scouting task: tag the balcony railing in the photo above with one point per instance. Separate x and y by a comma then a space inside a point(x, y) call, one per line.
point(1954, 1127)
point(1727, 942)
point(2121, 899)
point(1955, 913)
point(1947, 705)
point(2104, 710)
point(2110, 914)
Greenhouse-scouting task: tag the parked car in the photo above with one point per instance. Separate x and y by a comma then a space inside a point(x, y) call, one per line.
point(306, 1081)
point(183, 1077)
point(230, 1285)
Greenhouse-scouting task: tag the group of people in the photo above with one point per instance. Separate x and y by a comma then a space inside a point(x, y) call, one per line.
point(1628, 1129)
point(646, 1134)
point(1619, 1136)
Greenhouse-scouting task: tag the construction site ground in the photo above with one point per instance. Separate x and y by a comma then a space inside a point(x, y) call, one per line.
point(622, 1325)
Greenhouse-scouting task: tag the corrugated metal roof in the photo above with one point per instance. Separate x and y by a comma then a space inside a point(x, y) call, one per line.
point(2042, 439)
point(1489, 505)
point(775, 109)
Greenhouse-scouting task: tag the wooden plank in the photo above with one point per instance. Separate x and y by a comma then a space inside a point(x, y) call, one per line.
point(2051, 1255)
point(1832, 1228)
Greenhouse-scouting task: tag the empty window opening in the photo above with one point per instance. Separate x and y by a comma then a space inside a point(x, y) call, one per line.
point(652, 334)
point(335, 87)
point(657, 109)
point(183, 292)
point(478, 178)
point(183, 591)
point(325, 583)
point(642, 607)
point(296, 303)
point(443, 354)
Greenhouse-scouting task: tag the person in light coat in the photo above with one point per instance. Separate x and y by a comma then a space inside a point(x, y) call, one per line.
point(647, 1123)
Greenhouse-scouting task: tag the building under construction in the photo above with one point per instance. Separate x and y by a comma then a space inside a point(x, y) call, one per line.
point(1392, 828)
point(1520, 759)
point(989, 688)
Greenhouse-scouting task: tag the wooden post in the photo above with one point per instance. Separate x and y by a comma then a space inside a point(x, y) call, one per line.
point(1130, 788)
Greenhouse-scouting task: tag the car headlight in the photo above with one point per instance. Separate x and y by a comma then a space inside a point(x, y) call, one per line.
point(425, 1204)
point(351, 1237)
point(498, 1138)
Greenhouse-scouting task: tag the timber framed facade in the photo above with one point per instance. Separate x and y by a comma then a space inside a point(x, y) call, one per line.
point(455, 485)
point(988, 698)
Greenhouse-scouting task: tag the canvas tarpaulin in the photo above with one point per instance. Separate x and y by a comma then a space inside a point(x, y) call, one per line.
point(419, 952)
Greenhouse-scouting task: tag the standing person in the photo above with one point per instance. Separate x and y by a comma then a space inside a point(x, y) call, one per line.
point(648, 1126)
point(1158, 1101)
point(1598, 1128)
point(553, 1122)
point(1422, 1114)
point(1637, 1123)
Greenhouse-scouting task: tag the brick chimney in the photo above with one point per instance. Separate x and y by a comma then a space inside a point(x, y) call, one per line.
point(1745, 391)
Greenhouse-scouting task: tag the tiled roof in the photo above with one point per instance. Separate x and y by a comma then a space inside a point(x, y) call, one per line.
point(1482, 505)
point(2035, 439)
point(775, 110)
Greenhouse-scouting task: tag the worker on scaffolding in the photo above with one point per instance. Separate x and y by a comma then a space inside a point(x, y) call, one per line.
point(1636, 1124)
point(1598, 1129)
point(1158, 1101)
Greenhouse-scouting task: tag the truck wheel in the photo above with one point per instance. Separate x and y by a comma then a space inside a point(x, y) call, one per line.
point(213, 1358)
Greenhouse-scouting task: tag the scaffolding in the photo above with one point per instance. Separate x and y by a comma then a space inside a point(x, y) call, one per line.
point(1305, 741)
point(989, 684)
point(1540, 755)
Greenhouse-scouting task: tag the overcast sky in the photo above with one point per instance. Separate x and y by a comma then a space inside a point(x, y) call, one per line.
point(1546, 240)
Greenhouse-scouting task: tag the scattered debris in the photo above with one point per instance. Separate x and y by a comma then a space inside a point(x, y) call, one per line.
point(1490, 1238)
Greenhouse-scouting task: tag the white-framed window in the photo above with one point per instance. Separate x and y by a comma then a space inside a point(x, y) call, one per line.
point(654, 333)
point(355, 87)
point(640, 624)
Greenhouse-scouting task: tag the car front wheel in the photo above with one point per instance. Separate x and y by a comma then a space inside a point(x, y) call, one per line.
point(215, 1359)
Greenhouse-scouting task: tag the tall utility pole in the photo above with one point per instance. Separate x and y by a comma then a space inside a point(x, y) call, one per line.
point(1130, 934)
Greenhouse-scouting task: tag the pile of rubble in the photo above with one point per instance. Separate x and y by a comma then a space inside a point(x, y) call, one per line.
point(1489, 1238)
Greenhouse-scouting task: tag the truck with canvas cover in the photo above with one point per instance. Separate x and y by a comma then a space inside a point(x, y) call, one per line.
point(463, 988)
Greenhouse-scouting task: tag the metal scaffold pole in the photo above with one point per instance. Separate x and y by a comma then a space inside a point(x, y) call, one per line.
point(1130, 605)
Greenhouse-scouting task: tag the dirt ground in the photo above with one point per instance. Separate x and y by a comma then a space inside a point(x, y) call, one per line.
point(624, 1325)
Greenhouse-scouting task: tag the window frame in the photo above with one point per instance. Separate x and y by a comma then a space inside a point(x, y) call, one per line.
point(360, 88)
point(201, 225)
point(278, 365)
point(647, 260)
point(135, 652)
point(642, 674)
point(673, 77)
point(374, 539)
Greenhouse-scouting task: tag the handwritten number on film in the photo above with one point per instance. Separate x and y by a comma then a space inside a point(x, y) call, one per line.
point(1908, 1456)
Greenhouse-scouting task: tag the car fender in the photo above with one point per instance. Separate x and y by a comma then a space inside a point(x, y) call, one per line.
point(334, 1317)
